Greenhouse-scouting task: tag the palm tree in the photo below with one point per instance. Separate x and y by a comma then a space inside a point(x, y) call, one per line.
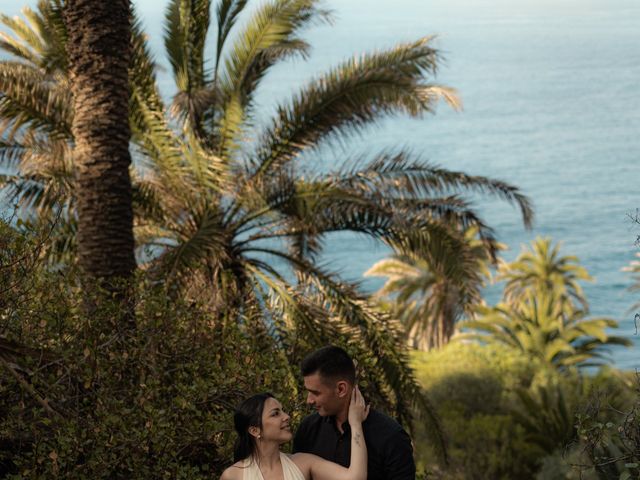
point(429, 292)
point(98, 51)
point(541, 271)
point(221, 207)
point(541, 328)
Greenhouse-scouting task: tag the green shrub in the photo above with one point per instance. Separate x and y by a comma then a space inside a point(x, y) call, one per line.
point(83, 398)
point(506, 417)
point(472, 387)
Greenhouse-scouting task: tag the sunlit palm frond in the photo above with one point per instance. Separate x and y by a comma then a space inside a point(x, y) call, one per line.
point(186, 27)
point(540, 327)
point(29, 99)
point(41, 39)
point(350, 97)
point(142, 80)
point(268, 37)
point(28, 44)
point(181, 165)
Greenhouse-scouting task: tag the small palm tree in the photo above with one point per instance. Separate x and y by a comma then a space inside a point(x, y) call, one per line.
point(429, 290)
point(541, 271)
point(541, 328)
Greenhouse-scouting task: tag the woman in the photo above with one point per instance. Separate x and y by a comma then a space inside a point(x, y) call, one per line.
point(263, 426)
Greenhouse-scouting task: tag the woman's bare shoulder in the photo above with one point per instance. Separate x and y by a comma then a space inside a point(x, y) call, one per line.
point(234, 472)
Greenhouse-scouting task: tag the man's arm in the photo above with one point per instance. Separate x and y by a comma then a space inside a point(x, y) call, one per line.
point(398, 457)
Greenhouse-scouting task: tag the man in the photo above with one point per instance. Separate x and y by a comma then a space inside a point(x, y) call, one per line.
point(329, 377)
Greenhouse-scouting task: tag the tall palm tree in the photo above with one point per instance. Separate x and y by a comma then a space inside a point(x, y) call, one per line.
point(429, 292)
point(98, 52)
point(222, 208)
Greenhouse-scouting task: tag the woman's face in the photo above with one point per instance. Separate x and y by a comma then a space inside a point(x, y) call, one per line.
point(275, 422)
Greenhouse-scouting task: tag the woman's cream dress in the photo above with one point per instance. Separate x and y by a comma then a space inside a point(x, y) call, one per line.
point(290, 470)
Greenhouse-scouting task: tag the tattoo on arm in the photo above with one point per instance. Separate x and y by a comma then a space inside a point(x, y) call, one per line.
point(357, 438)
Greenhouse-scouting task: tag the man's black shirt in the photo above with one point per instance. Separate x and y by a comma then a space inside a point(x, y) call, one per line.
point(389, 450)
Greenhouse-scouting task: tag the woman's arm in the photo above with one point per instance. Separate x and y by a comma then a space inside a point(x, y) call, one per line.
point(321, 469)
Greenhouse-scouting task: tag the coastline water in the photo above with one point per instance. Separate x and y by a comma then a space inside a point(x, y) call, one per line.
point(551, 104)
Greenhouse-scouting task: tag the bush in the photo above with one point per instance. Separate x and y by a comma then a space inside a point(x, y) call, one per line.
point(472, 388)
point(507, 417)
point(83, 398)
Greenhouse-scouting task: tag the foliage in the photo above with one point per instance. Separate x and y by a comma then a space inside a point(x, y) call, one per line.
point(544, 312)
point(540, 329)
point(541, 270)
point(473, 388)
point(80, 399)
point(510, 416)
point(429, 292)
point(610, 433)
point(228, 208)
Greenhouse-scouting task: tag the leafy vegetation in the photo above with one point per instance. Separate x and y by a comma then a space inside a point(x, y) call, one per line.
point(231, 217)
point(508, 416)
point(81, 399)
point(231, 212)
point(430, 292)
point(544, 312)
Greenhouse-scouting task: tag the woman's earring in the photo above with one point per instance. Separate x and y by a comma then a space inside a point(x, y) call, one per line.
point(259, 436)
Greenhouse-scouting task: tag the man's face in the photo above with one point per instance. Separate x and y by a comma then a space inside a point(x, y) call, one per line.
point(325, 395)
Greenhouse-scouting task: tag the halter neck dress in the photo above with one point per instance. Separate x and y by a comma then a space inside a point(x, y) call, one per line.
point(289, 469)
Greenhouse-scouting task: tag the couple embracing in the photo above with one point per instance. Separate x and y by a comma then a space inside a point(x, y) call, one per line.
point(343, 440)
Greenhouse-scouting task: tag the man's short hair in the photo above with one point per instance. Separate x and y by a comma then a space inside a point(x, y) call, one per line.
point(331, 363)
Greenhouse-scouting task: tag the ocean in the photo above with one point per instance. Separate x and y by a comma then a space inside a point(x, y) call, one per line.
point(551, 104)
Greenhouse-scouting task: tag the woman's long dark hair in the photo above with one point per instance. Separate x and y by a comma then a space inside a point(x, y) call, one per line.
point(248, 414)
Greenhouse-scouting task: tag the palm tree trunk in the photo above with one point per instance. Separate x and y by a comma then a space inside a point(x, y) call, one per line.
point(99, 52)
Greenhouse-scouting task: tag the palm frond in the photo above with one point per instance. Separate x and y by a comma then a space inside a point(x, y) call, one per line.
point(350, 97)
point(401, 174)
point(28, 43)
point(180, 164)
point(186, 27)
point(142, 80)
point(269, 36)
point(541, 270)
point(43, 179)
point(40, 40)
point(197, 241)
point(227, 13)
point(28, 99)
